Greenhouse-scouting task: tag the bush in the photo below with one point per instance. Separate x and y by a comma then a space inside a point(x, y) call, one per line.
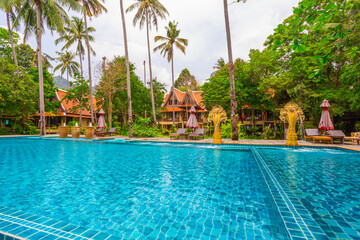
point(226, 130)
point(73, 123)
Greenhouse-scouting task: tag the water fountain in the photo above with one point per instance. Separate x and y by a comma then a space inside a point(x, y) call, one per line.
point(291, 113)
point(217, 115)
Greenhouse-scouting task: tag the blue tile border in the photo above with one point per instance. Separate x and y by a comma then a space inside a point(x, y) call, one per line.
point(298, 221)
point(19, 225)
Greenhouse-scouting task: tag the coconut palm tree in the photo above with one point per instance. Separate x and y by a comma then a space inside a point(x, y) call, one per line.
point(234, 128)
point(7, 6)
point(47, 13)
point(45, 60)
point(148, 11)
point(127, 68)
point(75, 33)
point(91, 8)
point(167, 49)
point(220, 63)
point(67, 63)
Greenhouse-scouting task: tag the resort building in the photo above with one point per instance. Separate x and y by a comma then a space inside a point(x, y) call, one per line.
point(182, 103)
point(66, 113)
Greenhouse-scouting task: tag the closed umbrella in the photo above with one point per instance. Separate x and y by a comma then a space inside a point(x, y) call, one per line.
point(192, 122)
point(101, 122)
point(325, 121)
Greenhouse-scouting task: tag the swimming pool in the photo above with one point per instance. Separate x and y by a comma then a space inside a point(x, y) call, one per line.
point(159, 190)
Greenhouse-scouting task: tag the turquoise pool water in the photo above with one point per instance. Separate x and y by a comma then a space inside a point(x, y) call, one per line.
point(135, 191)
point(327, 183)
point(143, 190)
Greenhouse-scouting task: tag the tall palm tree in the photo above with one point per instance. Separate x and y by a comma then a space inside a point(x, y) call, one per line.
point(148, 11)
point(234, 128)
point(91, 8)
point(51, 14)
point(67, 63)
point(75, 33)
point(167, 49)
point(127, 68)
point(220, 63)
point(7, 6)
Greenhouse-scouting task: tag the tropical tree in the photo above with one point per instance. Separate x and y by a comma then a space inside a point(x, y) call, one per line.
point(186, 81)
point(167, 49)
point(7, 6)
point(51, 14)
point(91, 8)
point(78, 95)
point(45, 59)
point(148, 11)
point(67, 64)
point(75, 33)
point(128, 86)
point(220, 63)
point(235, 133)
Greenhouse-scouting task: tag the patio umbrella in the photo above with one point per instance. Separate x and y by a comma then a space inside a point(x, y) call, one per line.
point(192, 122)
point(325, 121)
point(101, 121)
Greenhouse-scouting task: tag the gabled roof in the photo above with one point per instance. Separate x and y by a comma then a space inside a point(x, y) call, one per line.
point(66, 106)
point(194, 95)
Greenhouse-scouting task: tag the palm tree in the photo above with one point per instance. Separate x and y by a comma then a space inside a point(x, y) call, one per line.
point(91, 8)
point(50, 13)
point(45, 60)
point(127, 68)
point(234, 128)
point(7, 6)
point(148, 11)
point(67, 63)
point(220, 63)
point(167, 49)
point(75, 33)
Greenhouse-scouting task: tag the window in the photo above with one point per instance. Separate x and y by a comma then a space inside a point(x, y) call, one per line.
point(175, 102)
point(170, 102)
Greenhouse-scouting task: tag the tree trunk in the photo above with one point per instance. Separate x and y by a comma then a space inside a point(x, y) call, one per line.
point(151, 79)
point(40, 69)
point(127, 69)
point(110, 111)
point(80, 116)
point(59, 80)
point(173, 87)
point(144, 75)
point(234, 128)
point(89, 64)
point(80, 55)
point(12, 43)
point(67, 78)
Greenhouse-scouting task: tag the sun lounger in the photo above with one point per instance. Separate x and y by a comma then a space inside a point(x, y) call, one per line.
point(314, 134)
point(110, 132)
point(199, 132)
point(337, 135)
point(180, 132)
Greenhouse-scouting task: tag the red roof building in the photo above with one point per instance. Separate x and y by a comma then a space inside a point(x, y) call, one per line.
point(183, 101)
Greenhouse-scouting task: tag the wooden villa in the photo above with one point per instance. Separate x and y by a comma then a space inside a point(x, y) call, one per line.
point(182, 103)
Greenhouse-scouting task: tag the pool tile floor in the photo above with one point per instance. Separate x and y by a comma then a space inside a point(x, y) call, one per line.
point(16, 224)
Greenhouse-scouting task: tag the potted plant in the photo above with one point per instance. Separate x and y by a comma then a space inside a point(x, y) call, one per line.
point(89, 132)
point(75, 131)
point(63, 131)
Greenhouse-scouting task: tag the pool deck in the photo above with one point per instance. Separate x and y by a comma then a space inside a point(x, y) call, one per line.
point(347, 145)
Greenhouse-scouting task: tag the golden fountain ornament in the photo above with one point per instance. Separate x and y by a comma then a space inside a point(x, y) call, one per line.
point(217, 116)
point(291, 113)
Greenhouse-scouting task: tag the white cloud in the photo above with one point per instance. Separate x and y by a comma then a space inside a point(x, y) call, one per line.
point(200, 21)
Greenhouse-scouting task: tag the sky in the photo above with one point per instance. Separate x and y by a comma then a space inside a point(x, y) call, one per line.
point(200, 21)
